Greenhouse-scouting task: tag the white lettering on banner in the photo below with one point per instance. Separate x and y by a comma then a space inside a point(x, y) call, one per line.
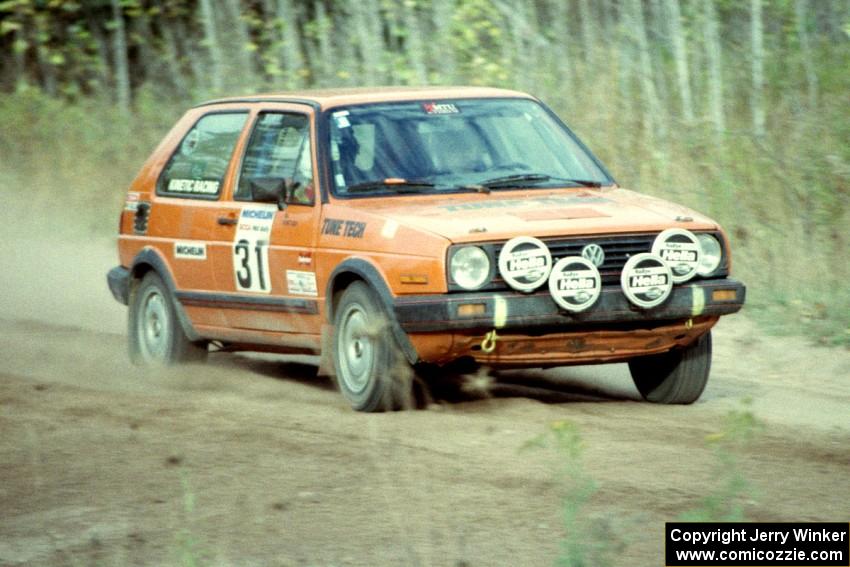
point(197, 186)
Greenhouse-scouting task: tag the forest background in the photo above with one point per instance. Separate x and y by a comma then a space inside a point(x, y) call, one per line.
point(738, 109)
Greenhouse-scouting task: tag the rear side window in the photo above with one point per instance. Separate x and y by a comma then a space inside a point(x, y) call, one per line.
point(197, 167)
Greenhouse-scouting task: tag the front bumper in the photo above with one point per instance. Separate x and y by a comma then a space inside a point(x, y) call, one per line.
point(513, 310)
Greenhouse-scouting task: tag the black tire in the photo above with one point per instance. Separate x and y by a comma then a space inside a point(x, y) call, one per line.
point(371, 371)
point(675, 377)
point(154, 333)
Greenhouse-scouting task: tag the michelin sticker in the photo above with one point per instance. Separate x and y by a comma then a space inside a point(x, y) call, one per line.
point(575, 283)
point(524, 263)
point(681, 250)
point(646, 280)
point(251, 248)
point(190, 250)
point(301, 283)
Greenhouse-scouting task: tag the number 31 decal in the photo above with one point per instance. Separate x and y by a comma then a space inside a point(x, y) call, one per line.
point(251, 250)
point(251, 264)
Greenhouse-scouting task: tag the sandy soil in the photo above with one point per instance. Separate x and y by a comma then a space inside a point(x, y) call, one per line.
point(253, 461)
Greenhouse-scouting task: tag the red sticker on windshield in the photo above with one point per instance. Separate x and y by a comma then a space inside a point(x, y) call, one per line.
point(440, 108)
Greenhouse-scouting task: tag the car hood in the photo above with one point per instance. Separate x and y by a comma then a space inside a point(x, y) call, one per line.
point(541, 213)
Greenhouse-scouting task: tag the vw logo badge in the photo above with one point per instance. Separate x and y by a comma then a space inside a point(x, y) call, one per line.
point(594, 254)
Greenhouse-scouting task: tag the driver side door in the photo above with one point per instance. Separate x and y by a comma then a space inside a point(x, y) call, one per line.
point(271, 269)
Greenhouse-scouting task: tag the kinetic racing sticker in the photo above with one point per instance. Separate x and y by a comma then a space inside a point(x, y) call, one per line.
point(251, 249)
point(524, 263)
point(646, 280)
point(681, 250)
point(575, 283)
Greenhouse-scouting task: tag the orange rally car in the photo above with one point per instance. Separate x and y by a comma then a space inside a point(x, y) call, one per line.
point(395, 229)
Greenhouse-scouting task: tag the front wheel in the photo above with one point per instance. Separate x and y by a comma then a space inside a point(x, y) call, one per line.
point(371, 370)
point(154, 333)
point(675, 377)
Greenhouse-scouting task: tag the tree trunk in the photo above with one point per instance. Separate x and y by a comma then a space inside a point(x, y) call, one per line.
point(39, 36)
point(290, 54)
point(588, 39)
point(186, 45)
point(211, 40)
point(172, 57)
point(150, 63)
point(801, 9)
point(515, 54)
point(119, 56)
point(757, 39)
point(653, 121)
point(17, 68)
point(560, 60)
point(367, 22)
point(241, 60)
point(322, 68)
point(444, 60)
point(345, 41)
point(413, 45)
point(680, 54)
point(715, 67)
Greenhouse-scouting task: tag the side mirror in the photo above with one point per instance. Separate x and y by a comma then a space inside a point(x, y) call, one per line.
point(270, 190)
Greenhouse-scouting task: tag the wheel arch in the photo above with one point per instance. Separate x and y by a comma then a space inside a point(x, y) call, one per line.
point(149, 260)
point(358, 269)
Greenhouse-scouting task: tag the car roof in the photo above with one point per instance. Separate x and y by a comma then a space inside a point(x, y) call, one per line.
point(329, 98)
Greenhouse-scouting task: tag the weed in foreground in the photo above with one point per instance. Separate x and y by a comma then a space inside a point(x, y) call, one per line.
point(587, 540)
point(189, 546)
point(733, 491)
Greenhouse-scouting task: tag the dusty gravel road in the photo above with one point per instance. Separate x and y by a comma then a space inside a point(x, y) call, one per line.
point(250, 461)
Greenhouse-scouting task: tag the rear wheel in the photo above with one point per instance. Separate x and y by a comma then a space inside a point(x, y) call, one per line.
point(154, 333)
point(675, 377)
point(371, 370)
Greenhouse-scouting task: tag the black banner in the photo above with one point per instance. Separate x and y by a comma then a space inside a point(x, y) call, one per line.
point(744, 544)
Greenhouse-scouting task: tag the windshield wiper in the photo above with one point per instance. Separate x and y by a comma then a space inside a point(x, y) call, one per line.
point(393, 183)
point(520, 179)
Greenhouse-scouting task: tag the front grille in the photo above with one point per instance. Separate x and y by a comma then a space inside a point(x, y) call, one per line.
point(618, 249)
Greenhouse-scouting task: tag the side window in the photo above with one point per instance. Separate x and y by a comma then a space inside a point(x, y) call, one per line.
point(279, 149)
point(197, 167)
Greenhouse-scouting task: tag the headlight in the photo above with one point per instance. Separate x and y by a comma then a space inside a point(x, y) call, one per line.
point(711, 255)
point(469, 267)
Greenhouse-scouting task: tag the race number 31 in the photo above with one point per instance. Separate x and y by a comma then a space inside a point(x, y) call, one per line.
point(251, 249)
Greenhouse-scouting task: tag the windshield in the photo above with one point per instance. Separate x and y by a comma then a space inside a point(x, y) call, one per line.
point(427, 147)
